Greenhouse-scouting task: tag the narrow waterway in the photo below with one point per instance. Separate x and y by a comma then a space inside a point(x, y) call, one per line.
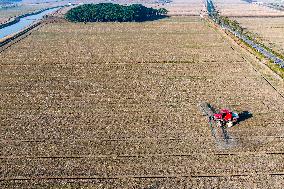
point(23, 23)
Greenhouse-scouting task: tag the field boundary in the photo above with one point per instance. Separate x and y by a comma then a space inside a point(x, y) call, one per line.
point(256, 153)
point(224, 175)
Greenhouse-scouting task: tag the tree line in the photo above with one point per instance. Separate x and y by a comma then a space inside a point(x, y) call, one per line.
point(109, 12)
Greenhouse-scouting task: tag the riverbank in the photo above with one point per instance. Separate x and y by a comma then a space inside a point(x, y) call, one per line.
point(11, 38)
point(22, 33)
point(10, 22)
point(15, 20)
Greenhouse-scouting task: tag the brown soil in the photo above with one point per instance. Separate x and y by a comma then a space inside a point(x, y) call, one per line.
point(114, 105)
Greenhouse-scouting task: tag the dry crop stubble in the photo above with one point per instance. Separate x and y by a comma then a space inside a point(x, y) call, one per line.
point(185, 7)
point(240, 8)
point(118, 102)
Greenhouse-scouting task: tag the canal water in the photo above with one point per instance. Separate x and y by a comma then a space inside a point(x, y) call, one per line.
point(23, 23)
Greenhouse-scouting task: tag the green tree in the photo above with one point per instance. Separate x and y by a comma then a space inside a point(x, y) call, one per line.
point(163, 11)
point(108, 12)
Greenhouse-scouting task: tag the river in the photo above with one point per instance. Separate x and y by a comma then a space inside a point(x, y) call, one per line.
point(23, 23)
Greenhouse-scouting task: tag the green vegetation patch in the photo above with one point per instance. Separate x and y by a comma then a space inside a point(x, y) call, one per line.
point(109, 12)
point(276, 68)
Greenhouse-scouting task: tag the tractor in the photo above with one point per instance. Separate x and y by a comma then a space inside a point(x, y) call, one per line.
point(220, 121)
point(222, 118)
point(225, 118)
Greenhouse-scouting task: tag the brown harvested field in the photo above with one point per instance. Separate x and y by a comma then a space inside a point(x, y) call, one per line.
point(185, 7)
point(239, 8)
point(267, 30)
point(114, 105)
